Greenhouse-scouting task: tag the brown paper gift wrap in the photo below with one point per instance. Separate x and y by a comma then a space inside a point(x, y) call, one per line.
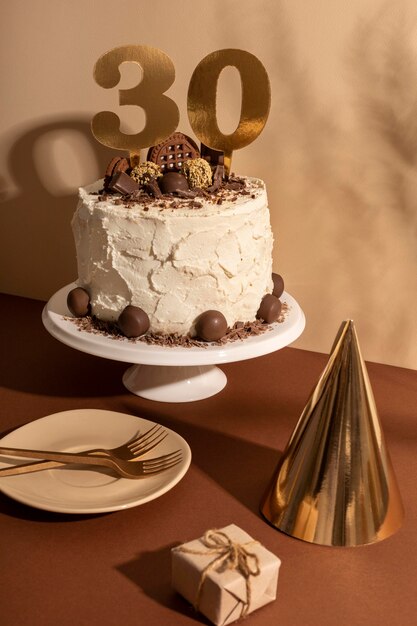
point(219, 593)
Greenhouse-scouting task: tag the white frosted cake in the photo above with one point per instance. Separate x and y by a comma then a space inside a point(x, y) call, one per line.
point(175, 256)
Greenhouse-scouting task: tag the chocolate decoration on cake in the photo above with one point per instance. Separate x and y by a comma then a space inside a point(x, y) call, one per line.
point(133, 321)
point(172, 182)
point(117, 164)
point(171, 153)
point(123, 183)
point(144, 172)
point(214, 157)
point(218, 176)
point(211, 325)
point(198, 173)
point(152, 188)
point(270, 309)
point(278, 285)
point(78, 302)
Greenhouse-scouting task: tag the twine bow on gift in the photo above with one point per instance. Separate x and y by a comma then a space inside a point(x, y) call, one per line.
point(229, 555)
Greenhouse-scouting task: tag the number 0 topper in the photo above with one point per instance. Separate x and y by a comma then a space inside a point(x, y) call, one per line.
point(162, 114)
point(202, 97)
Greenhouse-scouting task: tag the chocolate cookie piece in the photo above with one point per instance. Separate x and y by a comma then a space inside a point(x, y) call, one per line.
point(269, 309)
point(211, 325)
point(117, 164)
point(78, 302)
point(133, 321)
point(171, 153)
point(278, 285)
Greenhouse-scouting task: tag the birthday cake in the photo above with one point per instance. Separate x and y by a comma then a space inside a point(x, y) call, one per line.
point(172, 246)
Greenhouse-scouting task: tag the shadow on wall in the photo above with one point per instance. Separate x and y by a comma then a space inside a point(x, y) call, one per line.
point(37, 254)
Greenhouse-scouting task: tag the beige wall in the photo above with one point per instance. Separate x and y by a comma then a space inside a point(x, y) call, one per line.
point(339, 152)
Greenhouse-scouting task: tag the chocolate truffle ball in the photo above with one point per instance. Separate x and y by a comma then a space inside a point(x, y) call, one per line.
point(172, 182)
point(278, 285)
point(211, 325)
point(270, 309)
point(133, 321)
point(78, 302)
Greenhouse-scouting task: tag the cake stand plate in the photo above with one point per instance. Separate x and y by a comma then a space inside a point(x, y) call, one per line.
point(171, 374)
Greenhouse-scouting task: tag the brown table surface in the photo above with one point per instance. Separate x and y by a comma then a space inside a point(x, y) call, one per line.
point(114, 569)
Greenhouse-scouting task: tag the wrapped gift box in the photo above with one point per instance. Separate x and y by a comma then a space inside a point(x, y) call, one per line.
point(225, 574)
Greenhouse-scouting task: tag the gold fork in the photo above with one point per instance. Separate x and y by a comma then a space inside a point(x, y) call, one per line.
point(129, 451)
point(126, 469)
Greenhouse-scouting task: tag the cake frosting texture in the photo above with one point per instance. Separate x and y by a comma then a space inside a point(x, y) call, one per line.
point(175, 262)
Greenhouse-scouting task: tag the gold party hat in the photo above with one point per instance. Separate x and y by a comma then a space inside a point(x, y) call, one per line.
point(334, 484)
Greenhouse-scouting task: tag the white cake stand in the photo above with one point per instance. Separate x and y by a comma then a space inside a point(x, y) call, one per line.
point(171, 374)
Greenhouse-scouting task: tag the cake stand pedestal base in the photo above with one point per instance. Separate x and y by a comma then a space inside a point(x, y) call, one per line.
point(174, 383)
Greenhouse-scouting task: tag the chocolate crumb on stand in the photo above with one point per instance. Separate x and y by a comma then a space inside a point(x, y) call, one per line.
point(238, 332)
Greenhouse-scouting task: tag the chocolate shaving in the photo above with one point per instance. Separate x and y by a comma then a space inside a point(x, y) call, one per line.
point(185, 194)
point(152, 196)
point(153, 188)
point(217, 178)
point(234, 185)
point(239, 332)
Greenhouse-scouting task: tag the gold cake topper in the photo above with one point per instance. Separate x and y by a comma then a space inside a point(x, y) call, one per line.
point(202, 97)
point(162, 114)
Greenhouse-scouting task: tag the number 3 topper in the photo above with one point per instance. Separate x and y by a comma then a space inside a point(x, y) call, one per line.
point(162, 114)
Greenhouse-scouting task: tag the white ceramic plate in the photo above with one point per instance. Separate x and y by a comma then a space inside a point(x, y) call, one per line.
point(70, 489)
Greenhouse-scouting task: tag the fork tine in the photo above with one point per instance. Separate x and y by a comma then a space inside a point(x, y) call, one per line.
point(162, 467)
point(137, 440)
point(149, 442)
point(149, 464)
point(141, 451)
point(163, 457)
